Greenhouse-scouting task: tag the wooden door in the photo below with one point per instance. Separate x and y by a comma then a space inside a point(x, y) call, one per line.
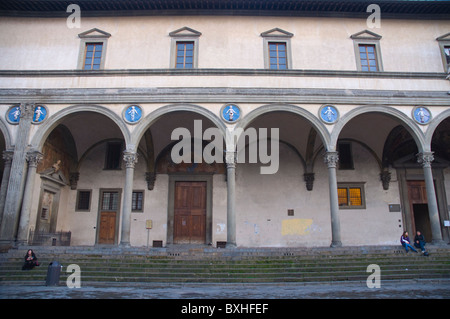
point(417, 192)
point(109, 210)
point(107, 232)
point(190, 213)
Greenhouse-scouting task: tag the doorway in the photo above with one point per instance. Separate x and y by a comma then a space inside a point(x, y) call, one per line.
point(422, 220)
point(108, 217)
point(189, 213)
point(418, 203)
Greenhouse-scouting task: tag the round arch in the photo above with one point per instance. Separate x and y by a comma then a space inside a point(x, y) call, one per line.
point(312, 119)
point(6, 135)
point(151, 118)
point(434, 124)
point(46, 128)
point(409, 124)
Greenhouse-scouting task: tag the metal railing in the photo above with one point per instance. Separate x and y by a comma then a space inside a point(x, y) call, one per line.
point(38, 238)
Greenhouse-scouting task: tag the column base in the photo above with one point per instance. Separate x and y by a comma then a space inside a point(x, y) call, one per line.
point(6, 244)
point(20, 243)
point(438, 242)
point(125, 245)
point(335, 244)
point(231, 245)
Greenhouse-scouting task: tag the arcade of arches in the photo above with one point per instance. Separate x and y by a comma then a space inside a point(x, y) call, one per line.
point(116, 183)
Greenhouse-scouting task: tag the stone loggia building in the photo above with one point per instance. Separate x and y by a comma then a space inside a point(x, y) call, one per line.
point(356, 99)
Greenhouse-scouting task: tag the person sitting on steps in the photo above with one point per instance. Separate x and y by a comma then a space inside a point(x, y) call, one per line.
point(30, 260)
point(406, 243)
point(419, 241)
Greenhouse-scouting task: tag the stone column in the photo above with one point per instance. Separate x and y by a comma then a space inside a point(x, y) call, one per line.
point(231, 199)
point(331, 159)
point(33, 158)
point(11, 212)
point(425, 160)
point(130, 159)
point(7, 160)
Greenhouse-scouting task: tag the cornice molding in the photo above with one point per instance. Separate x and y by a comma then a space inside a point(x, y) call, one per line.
point(224, 72)
point(218, 95)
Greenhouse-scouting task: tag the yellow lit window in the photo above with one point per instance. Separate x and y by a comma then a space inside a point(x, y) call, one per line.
point(351, 196)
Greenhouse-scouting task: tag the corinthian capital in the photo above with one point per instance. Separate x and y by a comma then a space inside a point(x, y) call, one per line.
point(8, 156)
point(130, 158)
point(34, 157)
point(425, 158)
point(331, 159)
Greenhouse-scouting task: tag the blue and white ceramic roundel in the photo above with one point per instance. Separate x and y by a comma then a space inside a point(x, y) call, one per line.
point(132, 114)
point(329, 114)
point(421, 115)
point(40, 113)
point(231, 113)
point(13, 115)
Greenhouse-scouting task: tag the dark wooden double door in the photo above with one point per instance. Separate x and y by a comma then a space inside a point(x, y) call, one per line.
point(190, 213)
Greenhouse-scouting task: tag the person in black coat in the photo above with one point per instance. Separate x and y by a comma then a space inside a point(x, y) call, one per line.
point(419, 241)
point(30, 260)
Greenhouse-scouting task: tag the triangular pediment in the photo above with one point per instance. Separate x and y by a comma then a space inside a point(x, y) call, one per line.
point(366, 35)
point(185, 32)
point(445, 37)
point(54, 174)
point(56, 177)
point(277, 33)
point(94, 33)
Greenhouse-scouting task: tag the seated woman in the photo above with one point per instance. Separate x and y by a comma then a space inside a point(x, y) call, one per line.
point(406, 243)
point(30, 260)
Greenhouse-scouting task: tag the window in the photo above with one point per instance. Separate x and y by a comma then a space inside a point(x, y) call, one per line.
point(184, 48)
point(83, 200)
point(92, 49)
point(277, 56)
point(93, 56)
point(44, 213)
point(351, 196)
point(444, 46)
point(137, 201)
point(110, 201)
point(367, 51)
point(447, 55)
point(345, 155)
point(113, 155)
point(368, 57)
point(185, 55)
point(277, 49)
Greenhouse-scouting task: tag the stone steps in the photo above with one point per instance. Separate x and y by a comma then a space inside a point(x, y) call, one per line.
point(227, 265)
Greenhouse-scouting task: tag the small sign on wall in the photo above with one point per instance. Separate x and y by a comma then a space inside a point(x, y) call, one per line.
point(393, 208)
point(148, 224)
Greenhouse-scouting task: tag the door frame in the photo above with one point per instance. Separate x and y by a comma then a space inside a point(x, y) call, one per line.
point(53, 218)
point(52, 185)
point(405, 174)
point(173, 178)
point(99, 212)
point(411, 202)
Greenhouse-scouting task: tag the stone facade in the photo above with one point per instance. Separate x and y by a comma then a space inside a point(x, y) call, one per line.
point(109, 174)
